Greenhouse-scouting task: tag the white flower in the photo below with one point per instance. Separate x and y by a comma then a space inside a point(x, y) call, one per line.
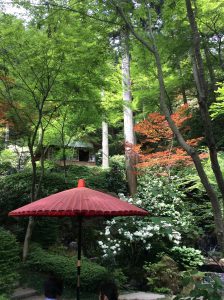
point(107, 231)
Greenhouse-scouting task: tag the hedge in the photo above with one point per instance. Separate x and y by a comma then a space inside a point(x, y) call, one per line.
point(64, 267)
point(9, 261)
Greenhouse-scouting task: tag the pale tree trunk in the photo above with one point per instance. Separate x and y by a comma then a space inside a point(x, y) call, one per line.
point(105, 146)
point(129, 137)
point(6, 134)
point(28, 235)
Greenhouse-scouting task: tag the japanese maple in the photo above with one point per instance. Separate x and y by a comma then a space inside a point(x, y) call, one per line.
point(158, 145)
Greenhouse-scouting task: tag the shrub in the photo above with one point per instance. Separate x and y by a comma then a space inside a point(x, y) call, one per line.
point(64, 268)
point(4, 297)
point(187, 257)
point(116, 178)
point(163, 276)
point(119, 278)
point(15, 192)
point(198, 285)
point(9, 261)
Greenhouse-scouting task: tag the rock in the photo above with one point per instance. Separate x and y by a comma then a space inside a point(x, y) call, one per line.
point(221, 262)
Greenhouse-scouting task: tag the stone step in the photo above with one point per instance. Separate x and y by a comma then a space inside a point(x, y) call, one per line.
point(141, 296)
point(23, 293)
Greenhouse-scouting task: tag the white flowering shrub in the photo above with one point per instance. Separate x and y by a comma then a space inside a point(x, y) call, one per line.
point(187, 257)
point(133, 238)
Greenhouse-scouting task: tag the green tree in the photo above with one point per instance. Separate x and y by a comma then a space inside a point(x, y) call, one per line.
point(147, 35)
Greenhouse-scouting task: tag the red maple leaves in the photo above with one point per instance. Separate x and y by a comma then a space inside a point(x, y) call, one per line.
point(158, 146)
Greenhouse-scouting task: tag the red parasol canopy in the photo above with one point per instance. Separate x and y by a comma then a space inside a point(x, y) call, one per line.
point(81, 202)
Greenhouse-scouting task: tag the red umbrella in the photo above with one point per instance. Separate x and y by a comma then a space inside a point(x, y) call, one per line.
point(81, 202)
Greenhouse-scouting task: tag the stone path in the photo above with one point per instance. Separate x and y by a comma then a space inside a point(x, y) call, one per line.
point(30, 294)
point(141, 296)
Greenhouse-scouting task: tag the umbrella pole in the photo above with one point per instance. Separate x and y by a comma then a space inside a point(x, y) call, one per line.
point(79, 257)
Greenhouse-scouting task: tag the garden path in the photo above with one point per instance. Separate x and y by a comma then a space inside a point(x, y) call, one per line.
point(30, 294)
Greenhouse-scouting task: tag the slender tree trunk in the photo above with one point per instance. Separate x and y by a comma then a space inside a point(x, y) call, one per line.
point(64, 162)
point(6, 134)
point(36, 184)
point(194, 155)
point(28, 235)
point(218, 219)
point(198, 70)
point(128, 114)
point(30, 225)
point(183, 89)
point(212, 86)
point(105, 146)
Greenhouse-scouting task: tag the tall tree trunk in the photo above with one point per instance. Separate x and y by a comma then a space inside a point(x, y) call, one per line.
point(36, 184)
point(212, 85)
point(217, 213)
point(199, 76)
point(183, 89)
point(194, 155)
point(28, 235)
point(30, 225)
point(6, 134)
point(128, 114)
point(105, 146)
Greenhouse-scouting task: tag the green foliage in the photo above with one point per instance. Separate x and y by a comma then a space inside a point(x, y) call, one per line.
point(15, 189)
point(8, 156)
point(192, 180)
point(217, 108)
point(199, 285)
point(119, 278)
point(163, 276)
point(9, 261)
point(8, 162)
point(6, 168)
point(46, 231)
point(128, 242)
point(210, 291)
point(116, 178)
point(15, 192)
point(65, 268)
point(186, 257)
point(4, 297)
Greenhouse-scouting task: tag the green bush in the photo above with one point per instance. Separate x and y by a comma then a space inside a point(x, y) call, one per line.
point(15, 192)
point(163, 276)
point(4, 297)
point(9, 157)
point(9, 261)
point(186, 257)
point(64, 267)
point(119, 278)
point(116, 178)
point(15, 189)
point(198, 285)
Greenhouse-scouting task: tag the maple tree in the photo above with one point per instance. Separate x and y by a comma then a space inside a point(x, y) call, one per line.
point(158, 146)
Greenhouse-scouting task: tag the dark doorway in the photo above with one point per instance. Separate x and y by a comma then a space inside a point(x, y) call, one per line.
point(83, 155)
